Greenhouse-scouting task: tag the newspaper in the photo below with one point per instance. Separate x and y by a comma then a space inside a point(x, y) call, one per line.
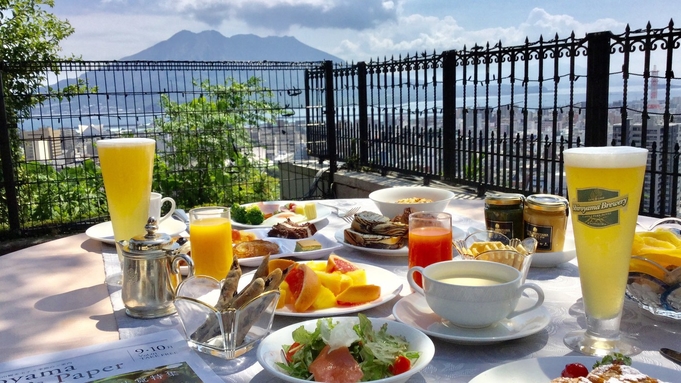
point(154, 358)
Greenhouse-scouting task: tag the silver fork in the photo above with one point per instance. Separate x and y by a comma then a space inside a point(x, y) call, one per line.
point(350, 214)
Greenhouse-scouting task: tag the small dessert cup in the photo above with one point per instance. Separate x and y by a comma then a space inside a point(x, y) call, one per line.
point(226, 334)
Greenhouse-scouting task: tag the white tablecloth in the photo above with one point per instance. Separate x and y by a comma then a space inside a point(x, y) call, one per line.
point(452, 362)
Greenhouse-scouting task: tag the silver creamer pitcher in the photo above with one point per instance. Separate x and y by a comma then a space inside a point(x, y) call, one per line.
point(151, 273)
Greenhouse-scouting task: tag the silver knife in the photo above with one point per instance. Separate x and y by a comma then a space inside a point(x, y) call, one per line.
point(672, 355)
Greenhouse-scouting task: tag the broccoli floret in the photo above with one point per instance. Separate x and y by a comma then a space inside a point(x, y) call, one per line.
point(238, 214)
point(254, 215)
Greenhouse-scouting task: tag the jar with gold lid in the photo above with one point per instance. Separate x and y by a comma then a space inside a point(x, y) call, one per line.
point(504, 214)
point(545, 219)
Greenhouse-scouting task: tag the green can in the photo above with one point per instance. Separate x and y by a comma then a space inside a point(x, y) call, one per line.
point(504, 214)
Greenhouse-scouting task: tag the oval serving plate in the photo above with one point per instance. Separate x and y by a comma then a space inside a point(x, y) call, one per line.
point(401, 252)
point(288, 246)
point(322, 213)
point(390, 284)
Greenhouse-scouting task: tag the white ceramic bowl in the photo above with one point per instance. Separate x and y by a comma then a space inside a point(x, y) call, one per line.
point(386, 199)
point(269, 350)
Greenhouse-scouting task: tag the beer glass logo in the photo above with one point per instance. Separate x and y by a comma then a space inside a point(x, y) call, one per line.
point(599, 208)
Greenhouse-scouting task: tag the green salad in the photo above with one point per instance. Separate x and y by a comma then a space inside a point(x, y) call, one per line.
point(378, 353)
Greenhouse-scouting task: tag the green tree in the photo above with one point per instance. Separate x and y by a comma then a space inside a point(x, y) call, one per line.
point(30, 34)
point(212, 160)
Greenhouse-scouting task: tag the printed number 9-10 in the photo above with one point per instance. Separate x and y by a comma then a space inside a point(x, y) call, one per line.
point(152, 349)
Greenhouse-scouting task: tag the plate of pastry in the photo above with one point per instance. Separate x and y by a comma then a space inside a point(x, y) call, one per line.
point(313, 247)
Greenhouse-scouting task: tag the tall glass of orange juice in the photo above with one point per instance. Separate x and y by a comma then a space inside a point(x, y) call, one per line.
point(430, 239)
point(127, 169)
point(604, 185)
point(210, 231)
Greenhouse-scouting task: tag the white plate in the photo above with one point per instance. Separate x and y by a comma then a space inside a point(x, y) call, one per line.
point(104, 231)
point(402, 252)
point(390, 284)
point(269, 349)
point(288, 247)
point(414, 311)
point(322, 212)
point(556, 258)
point(458, 231)
point(545, 369)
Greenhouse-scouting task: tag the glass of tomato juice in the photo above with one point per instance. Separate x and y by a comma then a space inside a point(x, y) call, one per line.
point(430, 239)
point(210, 238)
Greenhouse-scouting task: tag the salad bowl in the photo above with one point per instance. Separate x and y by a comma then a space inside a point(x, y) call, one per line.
point(270, 349)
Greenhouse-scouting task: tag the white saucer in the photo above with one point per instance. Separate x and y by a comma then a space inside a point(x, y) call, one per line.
point(556, 258)
point(414, 311)
point(104, 231)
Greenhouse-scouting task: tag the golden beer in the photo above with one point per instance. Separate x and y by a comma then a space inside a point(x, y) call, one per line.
point(604, 188)
point(127, 168)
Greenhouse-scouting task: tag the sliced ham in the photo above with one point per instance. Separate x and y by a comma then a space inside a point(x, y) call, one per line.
point(337, 366)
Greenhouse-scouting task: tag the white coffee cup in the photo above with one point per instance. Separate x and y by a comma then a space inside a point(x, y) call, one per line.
point(156, 201)
point(473, 293)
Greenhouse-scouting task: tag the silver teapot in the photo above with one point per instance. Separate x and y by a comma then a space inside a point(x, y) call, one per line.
point(151, 273)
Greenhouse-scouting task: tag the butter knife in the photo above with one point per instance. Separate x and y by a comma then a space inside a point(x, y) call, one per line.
point(672, 355)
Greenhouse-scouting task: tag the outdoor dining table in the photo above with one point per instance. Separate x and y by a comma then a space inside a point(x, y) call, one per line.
point(55, 296)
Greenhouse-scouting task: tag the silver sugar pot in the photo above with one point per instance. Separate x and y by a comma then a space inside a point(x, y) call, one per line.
point(151, 273)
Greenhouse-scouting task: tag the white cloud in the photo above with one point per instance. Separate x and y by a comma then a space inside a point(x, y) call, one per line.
point(355, 30)
point(416, 33)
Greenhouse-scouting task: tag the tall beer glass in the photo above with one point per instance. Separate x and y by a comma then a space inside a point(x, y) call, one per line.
point(604, 188)
point(127, 168)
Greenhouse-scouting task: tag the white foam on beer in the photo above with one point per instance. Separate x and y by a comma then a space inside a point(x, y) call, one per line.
point(133, 141)
point(605, 157)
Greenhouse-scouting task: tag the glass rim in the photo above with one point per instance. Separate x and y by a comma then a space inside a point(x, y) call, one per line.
point(125, 141)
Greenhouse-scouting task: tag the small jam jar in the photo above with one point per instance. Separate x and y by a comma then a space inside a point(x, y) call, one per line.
point(545, 217)
point(504, 214)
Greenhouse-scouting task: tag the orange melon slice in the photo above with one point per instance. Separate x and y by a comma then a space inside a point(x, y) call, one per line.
point(279, 263)
point(355, 295)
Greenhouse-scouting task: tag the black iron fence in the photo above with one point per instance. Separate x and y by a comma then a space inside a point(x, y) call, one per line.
point(223, 132)
point(493, 117)
point(498, 118)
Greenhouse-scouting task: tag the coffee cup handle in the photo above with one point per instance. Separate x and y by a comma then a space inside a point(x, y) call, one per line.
point(410, 279)
point(172, 208)
point(539, 302)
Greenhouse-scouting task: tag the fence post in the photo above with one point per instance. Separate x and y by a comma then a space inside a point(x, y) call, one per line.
point(7, 168)
point(363, 112)
point(597, 83)
point(330, 116)
point(448, 114)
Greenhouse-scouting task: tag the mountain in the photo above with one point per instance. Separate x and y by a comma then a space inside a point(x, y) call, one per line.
point(213, 46)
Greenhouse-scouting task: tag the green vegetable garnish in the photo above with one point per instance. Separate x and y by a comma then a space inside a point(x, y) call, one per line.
point(375, 351)
point(251, 215)
point(615, 358)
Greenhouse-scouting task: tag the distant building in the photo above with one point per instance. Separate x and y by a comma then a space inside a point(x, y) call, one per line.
point(43, 144)
point(633, 133)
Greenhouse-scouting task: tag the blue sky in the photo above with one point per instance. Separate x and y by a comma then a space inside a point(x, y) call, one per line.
point(354, 30)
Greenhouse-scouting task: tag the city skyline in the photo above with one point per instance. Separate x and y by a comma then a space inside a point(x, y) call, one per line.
point(356, 30)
